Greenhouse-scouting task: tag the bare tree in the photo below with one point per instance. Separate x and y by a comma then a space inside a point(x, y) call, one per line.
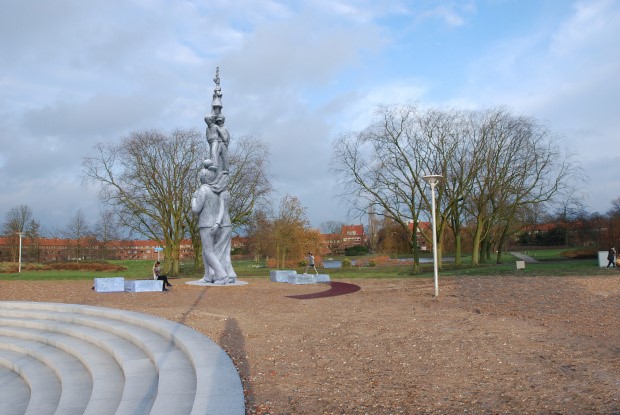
point(519, 164)
point(494, 164)
point(148, 178)
point(615, 207)
point(33, 233)
point(19, 219)
point(378, 169)
point(250, 185)
point(78, 226)
point(441, 149)
point(381, 169)
point(568, 207)
point(78, 231)
point(106, 230)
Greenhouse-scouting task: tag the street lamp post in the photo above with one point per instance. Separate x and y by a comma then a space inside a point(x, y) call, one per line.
point(433, 179)
point(19, 267)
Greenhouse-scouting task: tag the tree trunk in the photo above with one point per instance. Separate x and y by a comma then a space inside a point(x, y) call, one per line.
point(488, 247)
point(416, 248)
point(502, 241)
point(476, 242)
point(198, 263)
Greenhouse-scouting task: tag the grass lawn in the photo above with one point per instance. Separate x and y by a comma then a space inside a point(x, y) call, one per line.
point(552, 263)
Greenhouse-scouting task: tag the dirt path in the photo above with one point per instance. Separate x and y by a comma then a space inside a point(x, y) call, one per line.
point(387, 346)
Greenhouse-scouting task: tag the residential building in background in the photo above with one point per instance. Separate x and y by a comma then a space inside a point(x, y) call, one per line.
point(56, 249)
point(349, 236)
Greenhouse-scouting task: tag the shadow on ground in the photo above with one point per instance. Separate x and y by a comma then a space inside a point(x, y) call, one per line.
point(336, 288)
point(232, 341)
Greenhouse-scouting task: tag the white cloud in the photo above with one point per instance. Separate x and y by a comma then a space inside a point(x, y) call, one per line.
point(450, 13)
point(589, 28)
point(357, 112)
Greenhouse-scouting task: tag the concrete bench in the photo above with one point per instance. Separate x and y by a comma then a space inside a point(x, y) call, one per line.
point(308, 278)
point(118, 284)
point(109, 285)
point(292, 277)
point(140, 286)
point(280, 275)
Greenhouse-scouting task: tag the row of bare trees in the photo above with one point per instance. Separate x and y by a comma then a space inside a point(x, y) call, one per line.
point(21, 219)
point(495, 166)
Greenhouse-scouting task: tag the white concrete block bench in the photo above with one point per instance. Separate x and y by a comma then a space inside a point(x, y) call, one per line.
point(110, 285)
point(292, 277)
point(119, 284)
point(140, 286)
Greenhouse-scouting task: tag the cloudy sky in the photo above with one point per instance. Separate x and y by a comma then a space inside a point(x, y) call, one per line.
point(297, 74)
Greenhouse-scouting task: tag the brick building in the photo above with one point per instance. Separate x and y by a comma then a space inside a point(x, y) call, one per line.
point(350, 235)
point(56, 249)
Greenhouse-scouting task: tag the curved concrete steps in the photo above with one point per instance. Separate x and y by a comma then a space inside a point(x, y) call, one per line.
point(75, 359)
point(15, 391)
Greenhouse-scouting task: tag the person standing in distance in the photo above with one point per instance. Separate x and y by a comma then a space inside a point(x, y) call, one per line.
point(310, 258)
point(611, 258)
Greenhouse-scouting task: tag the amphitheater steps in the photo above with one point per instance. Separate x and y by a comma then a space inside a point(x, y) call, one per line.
point(74, 359)
point(15, 391)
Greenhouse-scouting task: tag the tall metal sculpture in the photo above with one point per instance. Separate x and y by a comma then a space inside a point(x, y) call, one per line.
point(211, 200)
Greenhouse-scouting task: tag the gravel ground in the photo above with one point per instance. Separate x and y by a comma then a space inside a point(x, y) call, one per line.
point(529, 345)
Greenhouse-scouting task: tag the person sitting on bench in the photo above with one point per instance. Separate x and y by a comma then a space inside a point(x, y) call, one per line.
point(158, 276)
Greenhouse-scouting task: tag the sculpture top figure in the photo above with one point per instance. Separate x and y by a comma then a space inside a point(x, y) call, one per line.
point(218, 139)
point(217, 94)
point(217, 134)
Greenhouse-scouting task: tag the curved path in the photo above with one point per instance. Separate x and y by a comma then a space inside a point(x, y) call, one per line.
point(73, 359)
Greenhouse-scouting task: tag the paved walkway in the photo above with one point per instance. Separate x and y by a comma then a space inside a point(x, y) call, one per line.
point(69, 359)
point(526, 258)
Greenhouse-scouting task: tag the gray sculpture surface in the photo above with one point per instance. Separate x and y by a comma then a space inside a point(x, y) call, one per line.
point(211, 200)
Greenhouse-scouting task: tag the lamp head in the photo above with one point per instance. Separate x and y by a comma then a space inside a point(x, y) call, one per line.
point(432, 179)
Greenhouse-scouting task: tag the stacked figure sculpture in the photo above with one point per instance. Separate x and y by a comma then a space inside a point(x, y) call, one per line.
point(211, 201)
